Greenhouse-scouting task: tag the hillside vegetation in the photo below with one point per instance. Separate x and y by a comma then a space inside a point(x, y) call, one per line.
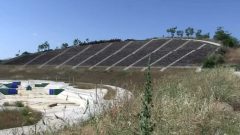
point(18, 116)
point(194, 103)
point(186, 103)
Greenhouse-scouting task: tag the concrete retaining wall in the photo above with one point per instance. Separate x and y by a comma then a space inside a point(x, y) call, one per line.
point(1, 96)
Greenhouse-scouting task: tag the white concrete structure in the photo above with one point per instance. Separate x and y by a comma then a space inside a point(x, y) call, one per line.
point(207, 42)
point(237, 73)
point(73, 105)
point(1, 96)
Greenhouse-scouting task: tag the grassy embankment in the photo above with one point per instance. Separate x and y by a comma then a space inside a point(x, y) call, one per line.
point(17, 115)
point(185, 102)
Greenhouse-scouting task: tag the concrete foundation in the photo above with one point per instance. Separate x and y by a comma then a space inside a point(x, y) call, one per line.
point(71, 106)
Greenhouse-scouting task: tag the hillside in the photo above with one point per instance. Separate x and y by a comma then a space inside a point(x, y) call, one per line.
point(124, 54)
point(184, 102)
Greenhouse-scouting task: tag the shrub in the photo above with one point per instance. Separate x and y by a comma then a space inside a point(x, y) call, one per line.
point(230, 42)
point(130, 40)
point(213, 60)
point(226, 38)
point(6, 104)
point(146, 126)
point(222, 50)
point(19, 104)
point(237, 67)
point(18, 117)
point(26, 53)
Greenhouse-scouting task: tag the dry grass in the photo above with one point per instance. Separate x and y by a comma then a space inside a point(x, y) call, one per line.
point(197, 103)
point(185, 102)
point(18, 117)
point(233, 56)
point(81, 85)
point(109, 96)
point(124, 79)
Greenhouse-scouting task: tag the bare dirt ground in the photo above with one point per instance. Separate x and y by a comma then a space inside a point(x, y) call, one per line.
point(233, 56)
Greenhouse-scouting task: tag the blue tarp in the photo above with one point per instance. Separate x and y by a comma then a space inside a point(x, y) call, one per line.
point(11, 85)
point(55, 91)
point(9, 91)
point(12, 91)
point(17, 83)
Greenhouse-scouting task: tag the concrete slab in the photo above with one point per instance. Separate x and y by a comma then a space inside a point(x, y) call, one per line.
point(73, 105)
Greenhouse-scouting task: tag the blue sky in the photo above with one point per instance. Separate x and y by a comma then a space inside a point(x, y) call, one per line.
point(24, 24)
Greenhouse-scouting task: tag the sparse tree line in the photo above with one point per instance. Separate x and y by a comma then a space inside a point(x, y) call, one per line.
point(44, 46)
point(188, 32)
point(225, 38)
point(227, 41)
point(88, 42)
point(76, 42)
point(220, 35)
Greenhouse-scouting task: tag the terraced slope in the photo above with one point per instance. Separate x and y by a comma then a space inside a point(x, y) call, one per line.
point(22, 59)
point(127, 54)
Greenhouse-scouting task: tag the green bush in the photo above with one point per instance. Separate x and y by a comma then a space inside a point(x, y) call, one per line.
point(19, 104)
point(146, 126)
point(226, 38)
point(237, 67)
point(213, 60)
point(230, 42)
point(25, 111)
point(6, 104)
point(222, 50)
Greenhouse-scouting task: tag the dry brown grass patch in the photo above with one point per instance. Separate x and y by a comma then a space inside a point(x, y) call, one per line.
point(18, 117)
point(232, 56)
